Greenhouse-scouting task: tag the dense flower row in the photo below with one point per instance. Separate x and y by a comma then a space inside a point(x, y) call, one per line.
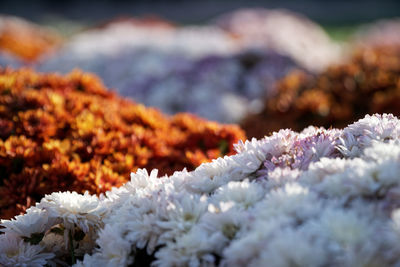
point(25, 40)
point(194, 69)
point(315, 198)
point(69, 133)
point(369, 83)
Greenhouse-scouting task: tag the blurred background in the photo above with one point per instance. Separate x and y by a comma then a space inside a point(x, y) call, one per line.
point(226, 61)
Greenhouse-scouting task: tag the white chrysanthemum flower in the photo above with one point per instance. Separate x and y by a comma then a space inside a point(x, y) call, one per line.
point(319, 170)
point(281, 176)
point(35, 221)
point(355, 176)
point(191, 249)
point(351, 238)
point(364, 132)
point(114, 250)
point(222, 225)
point(382, 151)
point(15, 252)
point(348, 145)
point(209, 176)
point(292, 200)
point(238, 192)
point(346, 229)
point(254, 237)
point(290, 247)
point(142, 179)
point(85, 211)
point(139, 223)
point(182, 212)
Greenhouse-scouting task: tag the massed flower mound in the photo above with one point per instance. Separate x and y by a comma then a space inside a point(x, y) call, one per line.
point(196, 69)
point(60, 133)
point(315, 198)
point(369, 83)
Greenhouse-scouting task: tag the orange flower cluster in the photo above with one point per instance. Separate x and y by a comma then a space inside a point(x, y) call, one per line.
point(61, 133)
point(26, 40)
point(369, 83)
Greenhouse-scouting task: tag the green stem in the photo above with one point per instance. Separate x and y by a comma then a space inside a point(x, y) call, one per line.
point(71, 247)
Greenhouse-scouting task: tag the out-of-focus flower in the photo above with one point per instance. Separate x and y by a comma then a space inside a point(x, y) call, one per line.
point(367, 84)
point(296, 37)
point(25, 40)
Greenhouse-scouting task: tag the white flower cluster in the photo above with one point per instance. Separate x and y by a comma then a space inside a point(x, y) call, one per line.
point(297, 36)
point(61, 225)
point(315, 198)
point(201, 69)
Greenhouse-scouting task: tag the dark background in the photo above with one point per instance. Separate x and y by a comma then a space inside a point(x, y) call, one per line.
point(325, 12)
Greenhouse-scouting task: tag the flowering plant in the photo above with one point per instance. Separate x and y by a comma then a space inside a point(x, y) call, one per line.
point(61, 133)
point(316, 198)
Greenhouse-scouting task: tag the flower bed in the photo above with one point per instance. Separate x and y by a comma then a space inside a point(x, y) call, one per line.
point(184, 69)
point(63, 133)
point(315, 198)
point(368, 84)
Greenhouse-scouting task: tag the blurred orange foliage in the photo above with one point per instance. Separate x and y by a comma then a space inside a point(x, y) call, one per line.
point(369, 83)
point(61, 133)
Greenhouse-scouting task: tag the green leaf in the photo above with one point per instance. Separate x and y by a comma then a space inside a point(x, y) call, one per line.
point(223, 147)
